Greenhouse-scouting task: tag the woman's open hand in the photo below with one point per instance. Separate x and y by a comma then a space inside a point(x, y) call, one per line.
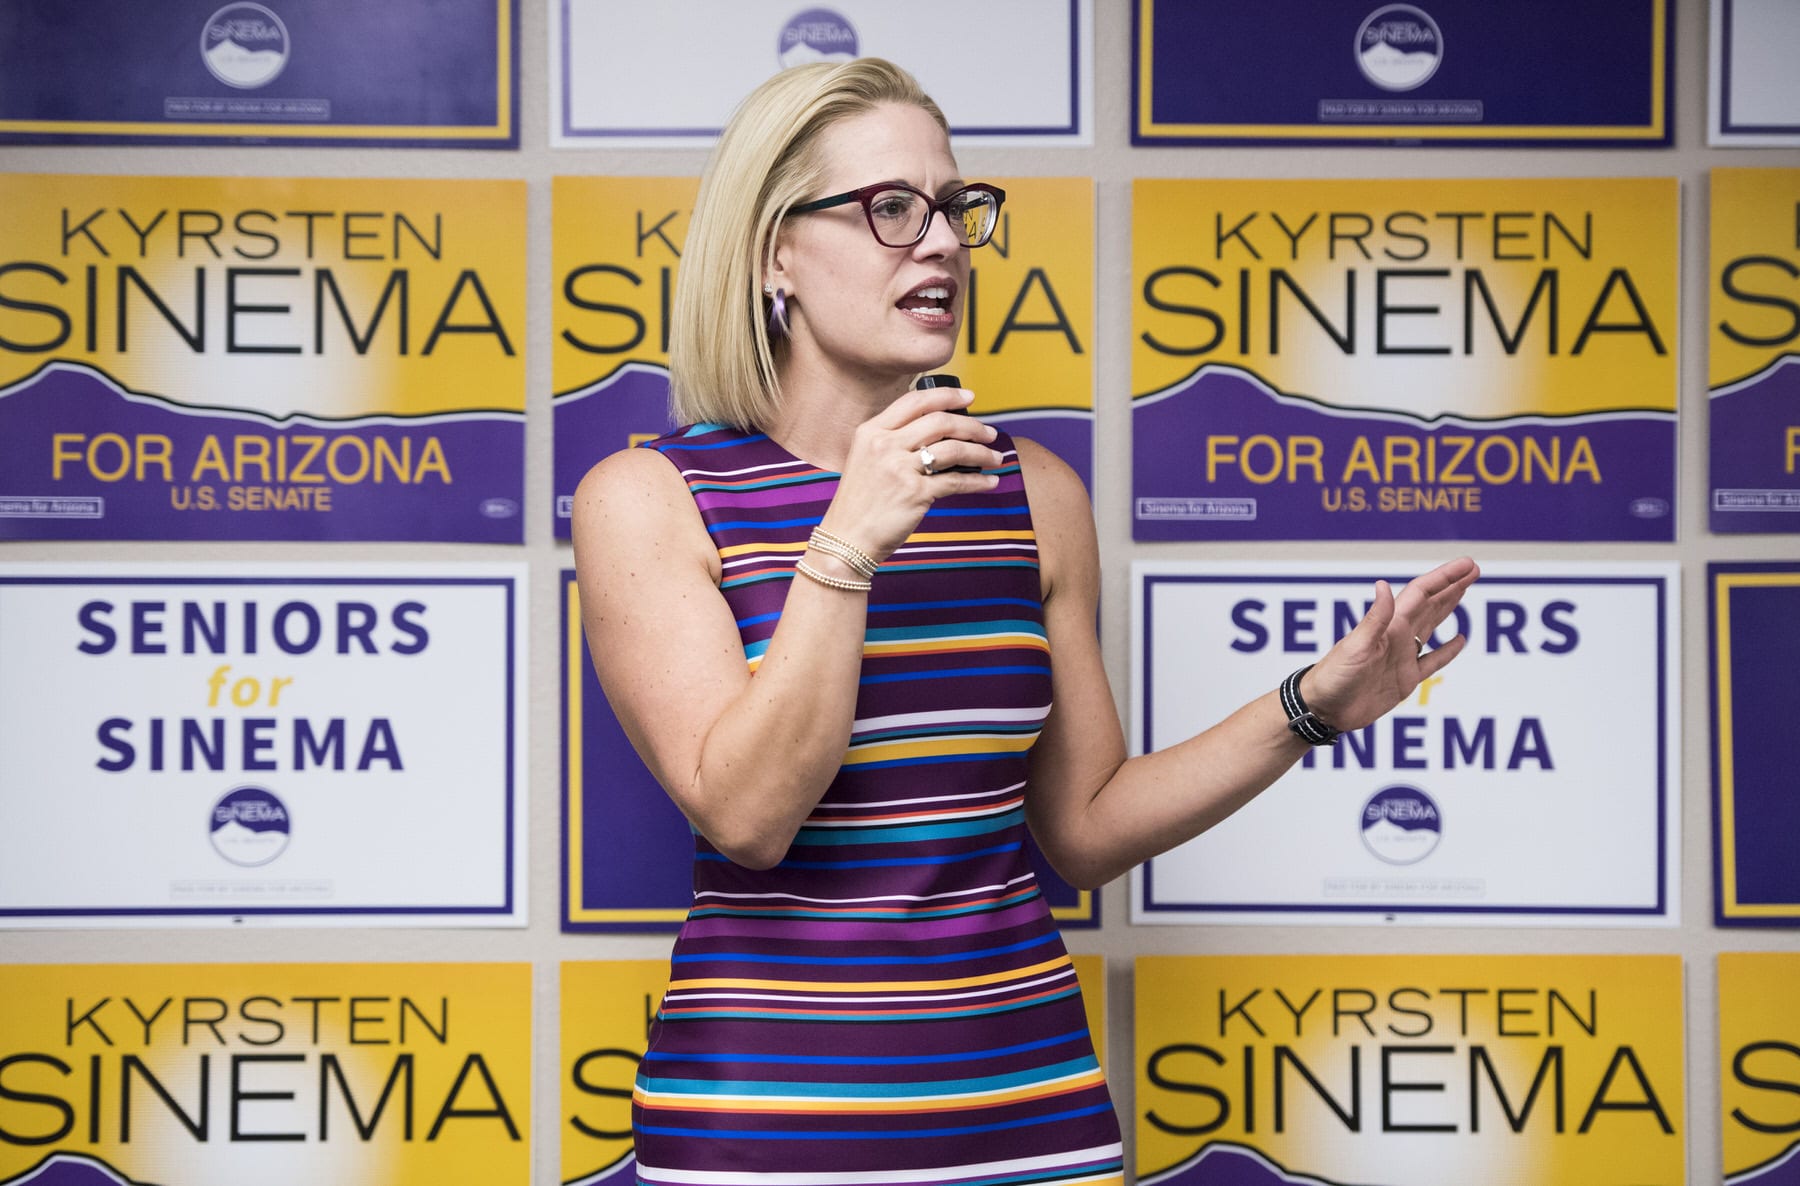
point(1378, 664)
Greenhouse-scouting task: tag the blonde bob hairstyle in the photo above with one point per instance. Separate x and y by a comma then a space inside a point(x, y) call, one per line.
point(721, 361)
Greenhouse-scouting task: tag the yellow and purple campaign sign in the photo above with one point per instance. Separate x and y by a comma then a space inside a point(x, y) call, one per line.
point(607, 1007)
point(615, 249)
point(1415, 1070)
point(224, 1074)
point(402, 73)
point(1753, 359)
point(1755, 650)
point(1486, 797)
point(627, 850)
point(208, 358)
point(1028, 320)
point(1759, 1067)
point(627, 860)
point(1460, 72)
point(1025, 348)
point(214, 744)
point(1489, 359)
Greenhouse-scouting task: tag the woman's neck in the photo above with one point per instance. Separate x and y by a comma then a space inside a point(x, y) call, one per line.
point(822, 405)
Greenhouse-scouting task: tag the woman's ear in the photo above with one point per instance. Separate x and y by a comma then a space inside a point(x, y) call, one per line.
point(775, 272)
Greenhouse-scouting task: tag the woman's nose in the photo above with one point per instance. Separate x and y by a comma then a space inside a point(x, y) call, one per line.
point(941, 237)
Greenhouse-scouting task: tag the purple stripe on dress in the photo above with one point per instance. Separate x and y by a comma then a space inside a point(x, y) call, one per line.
point(968, 924)
point(775, 496)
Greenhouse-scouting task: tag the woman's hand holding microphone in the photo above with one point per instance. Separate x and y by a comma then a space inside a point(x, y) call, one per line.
point(922, 447)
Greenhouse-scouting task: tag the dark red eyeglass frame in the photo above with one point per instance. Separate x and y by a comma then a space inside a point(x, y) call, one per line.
point(934, 206)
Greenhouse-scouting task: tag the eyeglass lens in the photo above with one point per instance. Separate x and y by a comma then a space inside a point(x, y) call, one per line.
point(899, 216)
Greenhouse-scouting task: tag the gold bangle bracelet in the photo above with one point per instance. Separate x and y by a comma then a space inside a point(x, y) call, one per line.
point(830, 582)
point(848, 557)
point(843, 549)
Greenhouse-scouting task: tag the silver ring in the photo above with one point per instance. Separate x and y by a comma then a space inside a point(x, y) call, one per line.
point(927, 462)
point(1420, 643)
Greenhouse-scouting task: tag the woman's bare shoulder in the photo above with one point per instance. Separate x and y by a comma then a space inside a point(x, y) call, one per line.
point(1053, 486)
point(629, 474)
point(628, 488)
point(632, 502)
point(1062, 517)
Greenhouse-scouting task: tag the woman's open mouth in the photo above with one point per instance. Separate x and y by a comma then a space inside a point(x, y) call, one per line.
point(931, 303)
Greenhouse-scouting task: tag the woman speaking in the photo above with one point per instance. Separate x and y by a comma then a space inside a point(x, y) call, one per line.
point(851, 631)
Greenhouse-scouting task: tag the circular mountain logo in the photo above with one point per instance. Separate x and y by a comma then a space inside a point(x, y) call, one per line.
point(816, 35)
point(1399, 47)
point(244, 45)
point(250, 826)
point(1401, 825)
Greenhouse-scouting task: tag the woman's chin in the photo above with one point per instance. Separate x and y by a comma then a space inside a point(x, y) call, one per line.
point(935, 349)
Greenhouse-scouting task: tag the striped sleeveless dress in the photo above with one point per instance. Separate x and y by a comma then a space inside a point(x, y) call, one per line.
point(892, 1002)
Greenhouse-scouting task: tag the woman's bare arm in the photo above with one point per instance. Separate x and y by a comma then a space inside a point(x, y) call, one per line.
point(1096, 813)
point(746, 758)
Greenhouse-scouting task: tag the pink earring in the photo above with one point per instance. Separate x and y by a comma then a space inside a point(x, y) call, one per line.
point(778, 318)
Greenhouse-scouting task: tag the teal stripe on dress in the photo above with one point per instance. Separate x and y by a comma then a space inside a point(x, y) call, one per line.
point(755, 579)
point(935, 731)
point(876, 834)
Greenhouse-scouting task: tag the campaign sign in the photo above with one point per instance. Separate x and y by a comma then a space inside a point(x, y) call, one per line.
point(1025, 347)
point(1753, 360)
point(1491, 795)
point(324, 744)
point(227, 1074)
point(1004, 72)
point(615, 249)
point(1409, 1070)
point(1459, 72)
point(1759, 1067)
point(1755, 650)
point(607, 1007)
point(627, 861)
point(1028, 319)
point(402, 73)
point(203, 358)
point(1466, 359)
point(1755, 97)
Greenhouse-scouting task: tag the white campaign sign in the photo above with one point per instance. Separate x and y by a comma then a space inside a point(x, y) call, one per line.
point(323, 744)
point(1535, 779)
point(626, 73)
point(1754, 91)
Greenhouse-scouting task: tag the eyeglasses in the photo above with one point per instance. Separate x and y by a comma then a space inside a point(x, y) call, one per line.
point(899, 215)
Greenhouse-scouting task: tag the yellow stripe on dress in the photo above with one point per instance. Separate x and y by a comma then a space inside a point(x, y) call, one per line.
point(931, 747)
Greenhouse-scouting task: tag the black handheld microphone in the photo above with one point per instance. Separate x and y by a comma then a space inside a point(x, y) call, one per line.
point(928, 381)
